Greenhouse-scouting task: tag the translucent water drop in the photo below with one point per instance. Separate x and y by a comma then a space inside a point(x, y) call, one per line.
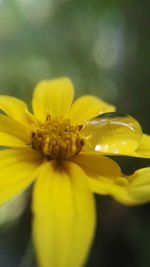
point(112, 133)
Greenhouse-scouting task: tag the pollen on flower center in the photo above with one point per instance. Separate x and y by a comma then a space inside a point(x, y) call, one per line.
point(57, 139)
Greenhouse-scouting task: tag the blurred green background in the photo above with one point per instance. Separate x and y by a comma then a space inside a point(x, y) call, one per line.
point(103, 46)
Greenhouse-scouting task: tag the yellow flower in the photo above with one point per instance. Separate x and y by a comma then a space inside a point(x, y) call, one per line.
point(61, 147)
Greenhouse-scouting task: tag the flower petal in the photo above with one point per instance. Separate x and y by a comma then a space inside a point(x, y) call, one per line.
point(105, 177)
point(87, 107)
point(17, 171)
point(64, 216)
point(7, 140)
point(13, 133)
point(52, 97)
point(101, 171)
point(140, 185)
point(143, 150)
point(16, 108)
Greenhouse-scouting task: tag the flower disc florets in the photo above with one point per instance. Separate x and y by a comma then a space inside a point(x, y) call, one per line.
point(57, 139)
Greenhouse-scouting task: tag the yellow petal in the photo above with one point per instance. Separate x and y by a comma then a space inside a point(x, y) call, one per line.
point(64, 216)
point(101, 171)
point(112, 133)
point(52, 97)
point(87, 107)
point(143, 150)
point(16, 108)
point(140, 185)
point(17, 171)
point(8, 140)
point(105, 177)
point(13, 133)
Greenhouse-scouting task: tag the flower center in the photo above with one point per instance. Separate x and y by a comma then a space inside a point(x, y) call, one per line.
point(57, 140)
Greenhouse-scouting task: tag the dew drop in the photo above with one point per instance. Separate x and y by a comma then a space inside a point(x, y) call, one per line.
point(112, 133)
point(111, 115)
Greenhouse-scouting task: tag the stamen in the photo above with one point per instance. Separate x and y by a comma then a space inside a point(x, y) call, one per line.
point(57, 140)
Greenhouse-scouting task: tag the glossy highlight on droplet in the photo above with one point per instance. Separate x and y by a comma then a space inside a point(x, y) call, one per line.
point(111, 115)
point(112, 133)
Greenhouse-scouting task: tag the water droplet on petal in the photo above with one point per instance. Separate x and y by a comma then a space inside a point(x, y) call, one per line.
point(112, 133)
